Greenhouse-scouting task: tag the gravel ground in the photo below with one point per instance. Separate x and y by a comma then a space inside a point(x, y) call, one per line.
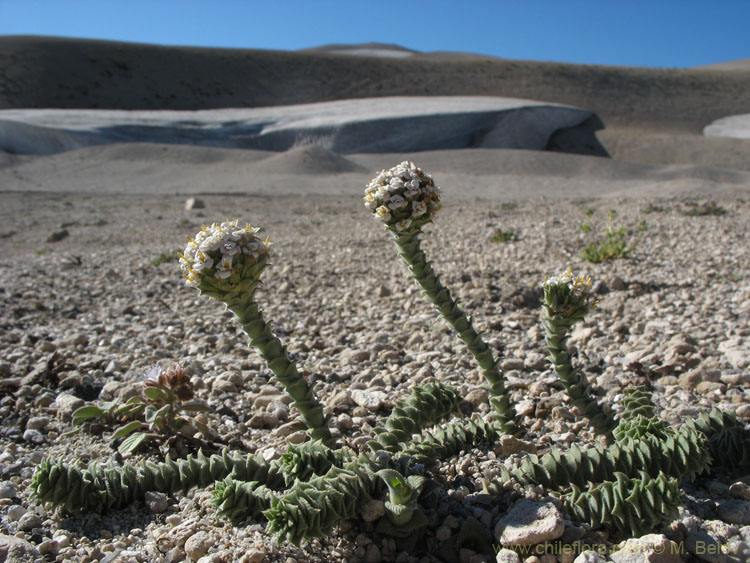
point(84, 317)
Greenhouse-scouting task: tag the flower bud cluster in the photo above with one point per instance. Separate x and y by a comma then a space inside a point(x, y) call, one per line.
point(221, 251)
point(404, 197)
point(172, 379)
point(568, 296)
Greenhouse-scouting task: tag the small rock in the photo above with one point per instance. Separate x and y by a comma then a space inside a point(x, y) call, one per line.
point(530, 522)
point(736, 351)
point(704, 547)
point(15, 512)
point(582, 334)
point(355, 356)
point(740, 490)
point(253, 556)
point(194, 203)
point(50, 547)
point(652, 548)
point(535, 361)
point(372, 554)
point(341, 399)
point(706, 387)
point(511, 445)
point(690, 379)
point(735, 378)
point(507, 556)
point(297, 437)
point(67, 404)
point(525, 407)
point(156, 502)
point(371, 400)
point(7, 490)
point(372, 510)
point(16, 550)
point(57, 236)
point(743, 412)
point(477, 397)
point(383, 291)
point(223, 386)
point(37, 423)
point(33, 436)
point(29, 521)
point(617, 284)
point(590, 557)
point(344, 422)
point(443, 533)
point(734, 511)
point(511, 364)
point(197, 545)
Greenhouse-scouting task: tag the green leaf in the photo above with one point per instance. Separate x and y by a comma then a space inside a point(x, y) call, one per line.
point(126, 429)
point(162, 412)
point(132, 442)
point(84, 413)
point(149, 413)
point(157, 395)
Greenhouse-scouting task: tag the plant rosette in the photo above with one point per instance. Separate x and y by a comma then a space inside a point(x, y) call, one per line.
point(163, 406)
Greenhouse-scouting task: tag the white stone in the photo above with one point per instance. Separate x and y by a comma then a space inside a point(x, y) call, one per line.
point(590, 557)
point(194, 203)
point(652, 548)
point(507, 556)
point(530, 522)
point(196, 546)
point(371, 400)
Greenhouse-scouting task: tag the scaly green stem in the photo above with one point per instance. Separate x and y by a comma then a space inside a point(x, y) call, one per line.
point(411, 253)
point(575, 382)
point(273, 351)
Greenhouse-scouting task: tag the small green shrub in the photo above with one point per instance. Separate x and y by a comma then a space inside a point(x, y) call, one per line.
point(172, 256)
point(498, 235)
point(615, 243)
point(695, 209)
point(651, 208)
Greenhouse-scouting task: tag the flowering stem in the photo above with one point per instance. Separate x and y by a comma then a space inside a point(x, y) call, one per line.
point(412, 254)
point(273, 351)
point(575, 382)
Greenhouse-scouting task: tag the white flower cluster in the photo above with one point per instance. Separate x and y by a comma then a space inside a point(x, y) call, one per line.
point(217, 250)
point(578, 285)
point(403, 197)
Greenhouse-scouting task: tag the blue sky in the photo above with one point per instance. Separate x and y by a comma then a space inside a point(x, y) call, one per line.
point(663, 33)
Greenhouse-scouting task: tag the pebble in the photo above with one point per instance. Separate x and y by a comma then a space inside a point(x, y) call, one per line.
point(67, 404)
point(48, 547)
point(507, 556)
point(734, 511)
point(29, 521)
point(7, 490)
point(651, 548)
point(19, 549)
point(740, 490)
point(372, 510)
point(529, 522)
point(194, 203)
point(15, 512)
point(156, 502)
point(590, 557)
point(197, 545)
point(371, 400)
